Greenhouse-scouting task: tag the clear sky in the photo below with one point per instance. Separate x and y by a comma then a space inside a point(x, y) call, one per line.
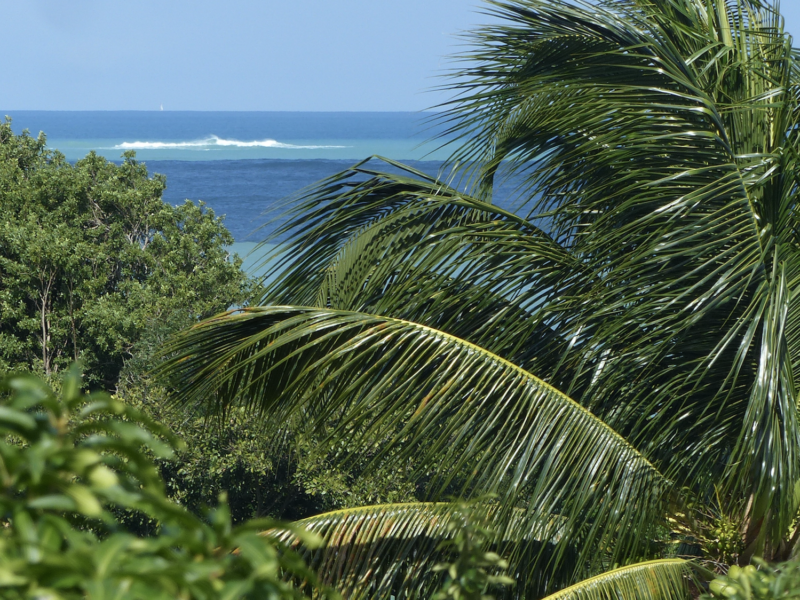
point(310, 55)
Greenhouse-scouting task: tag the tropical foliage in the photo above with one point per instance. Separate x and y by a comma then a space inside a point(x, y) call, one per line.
point(70, 465)
point(612, 358)
point(281, 477)
point(94, 266)
point(754, 583)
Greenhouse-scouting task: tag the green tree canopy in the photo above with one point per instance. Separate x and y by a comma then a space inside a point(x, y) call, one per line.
point(93, 262)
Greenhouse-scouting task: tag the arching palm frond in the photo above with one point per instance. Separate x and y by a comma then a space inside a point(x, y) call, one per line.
point(661, 137)
point(418, 250)
point(664, 579)
point(469, 417)
point(378, 551)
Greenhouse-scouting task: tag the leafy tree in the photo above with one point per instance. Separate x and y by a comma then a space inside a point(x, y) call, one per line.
point(91, 260)
point(68, 463)
point(94, 263)
point(614, 359)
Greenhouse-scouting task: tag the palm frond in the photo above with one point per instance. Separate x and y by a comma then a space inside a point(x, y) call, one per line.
point(770, 436)
point(467, 417)
point(660, 136)
point(421, 251)
point(664, 579)
point(389, 550)
point(373, 217)
point(793, 312)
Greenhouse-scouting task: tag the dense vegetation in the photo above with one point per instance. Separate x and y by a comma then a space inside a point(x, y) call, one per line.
point(93, 263)
point(96, 268)
point(606, 373)
point(70, 465)
point(282, 476)
point(612, 363)
point(73, 464)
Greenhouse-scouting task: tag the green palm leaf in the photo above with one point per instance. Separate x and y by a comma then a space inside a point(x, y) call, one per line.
point(661, 137)
point(664, 579)
point(420, 251)
point(468, 417)
point(364, 217)
point(793, 316)
point(378, 551)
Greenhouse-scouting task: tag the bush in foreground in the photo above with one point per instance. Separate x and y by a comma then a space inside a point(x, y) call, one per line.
point(763, 583)
point(69, 464)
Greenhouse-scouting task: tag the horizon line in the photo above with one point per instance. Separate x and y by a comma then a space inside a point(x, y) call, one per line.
point(157, 110)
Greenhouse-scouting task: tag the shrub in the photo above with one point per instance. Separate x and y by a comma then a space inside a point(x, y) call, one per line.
point(760, 581)
point(69, 464)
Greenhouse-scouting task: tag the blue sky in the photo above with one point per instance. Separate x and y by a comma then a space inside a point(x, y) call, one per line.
point(317, 55)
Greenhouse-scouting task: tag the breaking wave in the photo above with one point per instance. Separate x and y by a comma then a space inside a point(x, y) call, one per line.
point(214, 141)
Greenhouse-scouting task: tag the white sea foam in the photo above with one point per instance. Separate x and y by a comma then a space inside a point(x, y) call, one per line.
point(215, 141)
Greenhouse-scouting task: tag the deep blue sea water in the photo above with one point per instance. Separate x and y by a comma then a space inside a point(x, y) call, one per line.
point(241, 163)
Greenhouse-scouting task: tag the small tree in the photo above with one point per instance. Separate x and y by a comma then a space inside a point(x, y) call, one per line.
point(94, 263)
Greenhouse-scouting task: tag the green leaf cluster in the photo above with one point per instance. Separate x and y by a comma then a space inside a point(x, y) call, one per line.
point(68, 464)
point(94, 264)
point(474, 571)
point(759, 581)
point(95, 267)
point(287, 475)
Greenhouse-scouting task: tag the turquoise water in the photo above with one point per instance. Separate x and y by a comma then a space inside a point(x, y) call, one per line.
point(251, 256)
point(206, 136)
point(213, 147)
point(243, 164)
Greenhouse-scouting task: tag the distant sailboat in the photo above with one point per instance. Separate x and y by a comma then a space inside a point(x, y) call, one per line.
point(162, 107)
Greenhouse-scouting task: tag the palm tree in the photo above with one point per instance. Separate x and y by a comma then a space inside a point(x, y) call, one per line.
point(612, 361)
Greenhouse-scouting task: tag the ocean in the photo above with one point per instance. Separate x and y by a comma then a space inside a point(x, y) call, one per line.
point(242, 164)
